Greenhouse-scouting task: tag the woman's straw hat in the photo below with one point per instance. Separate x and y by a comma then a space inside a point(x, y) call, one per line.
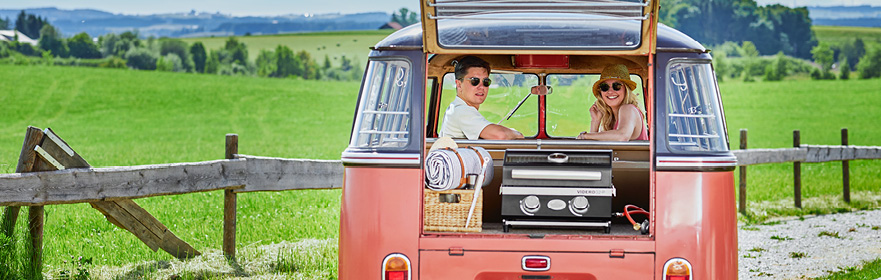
point(617, 72)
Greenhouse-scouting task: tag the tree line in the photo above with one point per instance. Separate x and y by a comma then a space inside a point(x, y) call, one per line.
point(771, 42)
point(127, 49)
point(771, 28)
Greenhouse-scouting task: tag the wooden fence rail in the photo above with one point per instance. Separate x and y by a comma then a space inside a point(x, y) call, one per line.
point(51, 172)
point(245, 174)
point(798, 154)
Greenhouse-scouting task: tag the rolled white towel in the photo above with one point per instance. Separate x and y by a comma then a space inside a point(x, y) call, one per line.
point(444, 170)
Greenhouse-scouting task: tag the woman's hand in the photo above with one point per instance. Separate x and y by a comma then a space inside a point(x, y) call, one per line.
point(595, 113)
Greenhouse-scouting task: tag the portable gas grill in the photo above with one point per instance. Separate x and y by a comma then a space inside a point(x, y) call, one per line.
point(557, 188)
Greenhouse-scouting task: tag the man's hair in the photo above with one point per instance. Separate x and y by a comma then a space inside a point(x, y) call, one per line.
point(468, 62)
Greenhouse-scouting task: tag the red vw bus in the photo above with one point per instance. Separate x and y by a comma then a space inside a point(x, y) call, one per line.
point(551, 206)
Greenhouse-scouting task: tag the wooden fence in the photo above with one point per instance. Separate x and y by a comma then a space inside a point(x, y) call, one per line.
point(111, 189)
point(798, 154)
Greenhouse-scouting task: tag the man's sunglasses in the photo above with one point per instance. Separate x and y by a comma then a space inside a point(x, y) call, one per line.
point(475, 81)
point(615, 85)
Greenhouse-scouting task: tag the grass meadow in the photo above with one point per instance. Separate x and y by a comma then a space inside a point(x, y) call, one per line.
point(123, 117)
point(840, 34)
point(770, 111)
point(351, 44)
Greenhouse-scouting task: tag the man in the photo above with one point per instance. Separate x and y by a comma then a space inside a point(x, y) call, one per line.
point(462, 120)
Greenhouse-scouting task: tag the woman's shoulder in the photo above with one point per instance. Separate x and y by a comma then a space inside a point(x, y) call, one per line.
point(631, 107)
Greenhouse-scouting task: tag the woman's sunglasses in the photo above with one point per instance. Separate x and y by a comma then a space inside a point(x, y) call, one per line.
point(475, 81)
point(615, 85)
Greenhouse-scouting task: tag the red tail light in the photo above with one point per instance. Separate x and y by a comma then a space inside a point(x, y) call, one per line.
point(396, 267)
point(536, 263)
point(396, 275)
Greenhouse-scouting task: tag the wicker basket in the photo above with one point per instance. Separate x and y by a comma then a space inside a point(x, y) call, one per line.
point(446, 216)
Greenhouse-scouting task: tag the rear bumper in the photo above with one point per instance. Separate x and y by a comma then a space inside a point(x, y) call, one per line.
point(508, 265)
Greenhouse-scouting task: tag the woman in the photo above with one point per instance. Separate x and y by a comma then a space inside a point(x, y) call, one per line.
point(615, 115)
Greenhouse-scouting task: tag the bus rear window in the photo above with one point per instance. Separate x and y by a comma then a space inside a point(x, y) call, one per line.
point(694, 115)
point(384, 110)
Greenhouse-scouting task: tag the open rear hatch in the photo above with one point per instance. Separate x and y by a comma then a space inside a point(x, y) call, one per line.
point(543, 27)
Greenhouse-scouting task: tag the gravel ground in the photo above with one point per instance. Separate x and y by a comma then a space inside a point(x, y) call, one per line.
point(809, 247)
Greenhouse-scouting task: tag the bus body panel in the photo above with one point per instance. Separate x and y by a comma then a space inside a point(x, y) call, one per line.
point(378, 217)
point(508, 265)
point(548, 243)
point(697, 209)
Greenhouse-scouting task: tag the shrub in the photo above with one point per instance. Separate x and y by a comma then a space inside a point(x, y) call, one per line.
point(870, 65)
point(845, 70)
point(4, 50)
point(141, 58)
point(771, 73)
point(170, 62)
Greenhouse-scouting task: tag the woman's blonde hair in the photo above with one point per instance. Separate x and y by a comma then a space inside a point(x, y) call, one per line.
point(607, 122)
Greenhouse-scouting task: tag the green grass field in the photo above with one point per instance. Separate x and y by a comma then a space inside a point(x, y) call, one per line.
point(351, 44)
point(770, 111)
point(840, 34)
point(124, 117)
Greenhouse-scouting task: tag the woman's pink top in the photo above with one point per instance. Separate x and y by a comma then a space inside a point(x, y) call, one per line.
point(643, 135)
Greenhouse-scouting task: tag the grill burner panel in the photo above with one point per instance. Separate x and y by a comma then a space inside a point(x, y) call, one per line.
point(557, 188)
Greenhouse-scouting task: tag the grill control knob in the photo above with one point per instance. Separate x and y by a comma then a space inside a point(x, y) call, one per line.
point(529, 205)
point(579, 204)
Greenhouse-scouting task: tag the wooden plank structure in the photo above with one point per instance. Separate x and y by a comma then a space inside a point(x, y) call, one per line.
point(798, 154)
point(50, 172)
point(52, 153)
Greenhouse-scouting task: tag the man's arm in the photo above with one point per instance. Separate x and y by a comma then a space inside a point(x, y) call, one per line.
point(498, 132)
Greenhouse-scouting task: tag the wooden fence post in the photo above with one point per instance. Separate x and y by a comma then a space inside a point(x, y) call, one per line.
point(32, 137)
point(845, 169)
point(796, 142)
point(742, 195)
point(229, 204)
point(35, 224)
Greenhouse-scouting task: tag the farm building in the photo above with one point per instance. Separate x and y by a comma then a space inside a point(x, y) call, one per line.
point(10, 35)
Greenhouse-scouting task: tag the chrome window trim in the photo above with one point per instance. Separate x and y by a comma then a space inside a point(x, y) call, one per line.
point(381, 158)
point(678, 161)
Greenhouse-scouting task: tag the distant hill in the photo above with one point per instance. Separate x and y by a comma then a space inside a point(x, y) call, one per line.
point(97, 23)
point(200, 24)
point(862, 16)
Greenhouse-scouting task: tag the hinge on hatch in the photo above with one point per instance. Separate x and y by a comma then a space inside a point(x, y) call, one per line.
point(457, 251)
point(616, 253)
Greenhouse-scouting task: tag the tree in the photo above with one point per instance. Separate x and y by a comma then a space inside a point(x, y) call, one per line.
point(266, 63)
point(81, 46)
point(845, 70)
point(772, 28)
point(197, 52)
point(170, 62)
point(30, 25)
point(308, 66)
point(852, 51)
point(4, 23)
point(405, 17)
point(52, 41)
point(212, 64)
point(179, 48)
point(237, 50)
point(141, 58)
point(286, 63)
point(870, 65)
point(823, 56)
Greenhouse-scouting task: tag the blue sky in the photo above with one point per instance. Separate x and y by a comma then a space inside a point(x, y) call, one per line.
point(280, 7)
